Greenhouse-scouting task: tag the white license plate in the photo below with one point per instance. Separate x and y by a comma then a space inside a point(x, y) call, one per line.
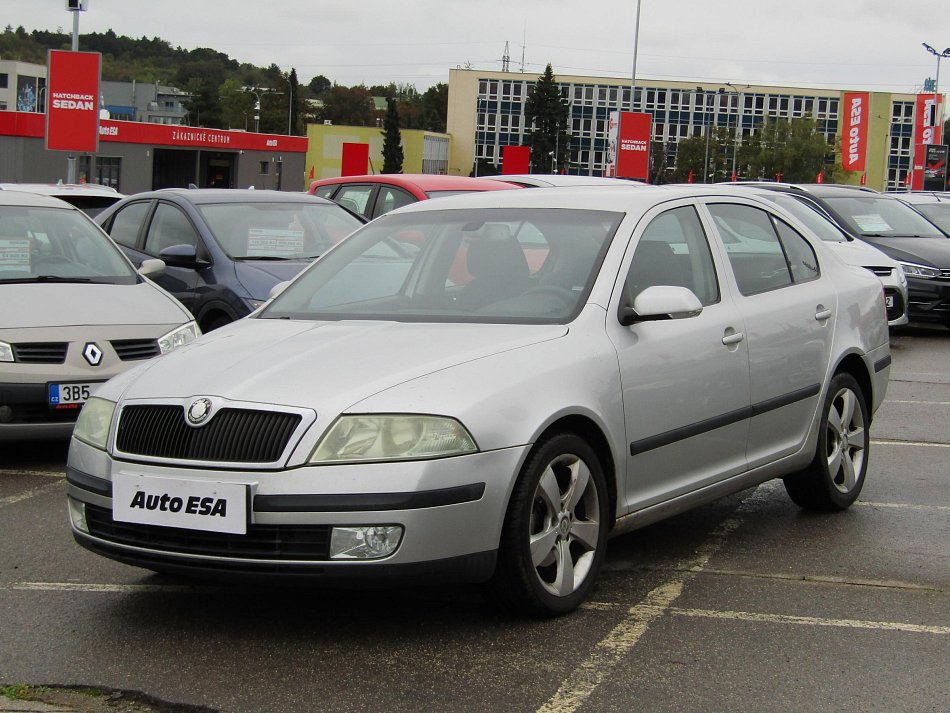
point(888, 301)
point(173, 502)
point(73, 394)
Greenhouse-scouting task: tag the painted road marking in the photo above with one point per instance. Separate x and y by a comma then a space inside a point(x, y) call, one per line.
point(31, 493)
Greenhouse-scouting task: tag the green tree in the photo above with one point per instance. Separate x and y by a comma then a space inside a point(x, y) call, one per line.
point(319, 85)
point(547, 114)
point(435, 107)
point(349, 106)
point(690, 157)
point(793, 150)
point(294, 103)
point(392, 140)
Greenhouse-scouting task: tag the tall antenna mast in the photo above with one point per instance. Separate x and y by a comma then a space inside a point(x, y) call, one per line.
point(506, 60)
point(524, 36)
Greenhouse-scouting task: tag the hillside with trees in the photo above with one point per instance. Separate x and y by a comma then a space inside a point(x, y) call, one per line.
point(222, 89)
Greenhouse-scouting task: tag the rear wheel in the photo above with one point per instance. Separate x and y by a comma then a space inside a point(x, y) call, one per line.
point(835, 476)
point(555, 530)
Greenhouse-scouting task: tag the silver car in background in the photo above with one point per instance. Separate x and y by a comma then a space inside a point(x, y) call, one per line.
point(485, 387)
point(73, 313)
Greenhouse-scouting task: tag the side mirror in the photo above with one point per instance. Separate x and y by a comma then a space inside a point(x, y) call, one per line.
point(277, 289)
point(181, 256)
point(661, 302)
point(152, 268)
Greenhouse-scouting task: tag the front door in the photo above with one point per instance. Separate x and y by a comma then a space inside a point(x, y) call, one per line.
point(685, 381)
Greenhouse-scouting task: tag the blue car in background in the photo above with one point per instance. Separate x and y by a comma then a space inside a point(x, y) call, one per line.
point(225, 249)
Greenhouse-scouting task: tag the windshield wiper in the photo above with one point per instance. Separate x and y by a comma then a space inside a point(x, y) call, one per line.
point(53, 278)
point(264, 257)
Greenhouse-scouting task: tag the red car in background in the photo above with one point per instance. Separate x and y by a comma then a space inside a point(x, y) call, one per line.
point(371, 196)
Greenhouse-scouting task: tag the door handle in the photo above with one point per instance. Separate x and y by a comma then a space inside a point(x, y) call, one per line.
point(733, 338)
point(822, 314)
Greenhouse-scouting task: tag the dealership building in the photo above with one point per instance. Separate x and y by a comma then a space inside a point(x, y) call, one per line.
point(486, 113)
point(143, 145)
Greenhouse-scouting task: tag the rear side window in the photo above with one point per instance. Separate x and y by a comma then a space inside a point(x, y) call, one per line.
point(354, 198)
point(765, 253)
point(127, 222)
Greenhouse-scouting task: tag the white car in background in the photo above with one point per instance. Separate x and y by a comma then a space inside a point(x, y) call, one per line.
point(90, 198)
point(73, 314)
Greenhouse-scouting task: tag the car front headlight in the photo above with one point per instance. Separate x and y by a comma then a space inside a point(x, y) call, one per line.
point(390, 437)
point(914, 270)
point(92, 426)
point(6, 352)
point(185, 334)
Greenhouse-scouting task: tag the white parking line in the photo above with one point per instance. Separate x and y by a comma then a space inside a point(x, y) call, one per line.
point(909, 443)
point(901, 506)
point(929, 403)
point(33, 492)
point(608, 652)
point(810, 621)
point(105, 588)
point(43, 473)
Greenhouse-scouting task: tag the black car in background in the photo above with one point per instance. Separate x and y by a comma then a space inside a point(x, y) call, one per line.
point(897, 230)
point(225, 249)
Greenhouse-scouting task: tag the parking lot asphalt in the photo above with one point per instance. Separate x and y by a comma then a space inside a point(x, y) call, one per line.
point(747, 604)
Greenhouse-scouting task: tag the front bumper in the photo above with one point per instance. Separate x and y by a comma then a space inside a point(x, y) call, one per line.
point(451, 511)
point(928, 300)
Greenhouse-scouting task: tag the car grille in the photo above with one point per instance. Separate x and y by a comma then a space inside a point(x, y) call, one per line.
point(265, 542)
point(132, 349)
point(879, 271)
point(40, 352)
point(232, 435)
point(945, 274)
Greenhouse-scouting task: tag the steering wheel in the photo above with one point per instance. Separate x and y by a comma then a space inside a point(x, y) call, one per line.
point(554, 291)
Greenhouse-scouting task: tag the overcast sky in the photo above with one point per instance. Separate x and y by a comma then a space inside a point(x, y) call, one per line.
point(855, 44)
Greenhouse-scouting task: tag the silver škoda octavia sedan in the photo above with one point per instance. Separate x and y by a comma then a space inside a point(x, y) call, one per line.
point(485, 387)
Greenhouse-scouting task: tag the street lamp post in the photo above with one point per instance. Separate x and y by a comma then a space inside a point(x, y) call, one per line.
point(735, 141)
point(257, 110)
point(938, 108)
point(75, 7)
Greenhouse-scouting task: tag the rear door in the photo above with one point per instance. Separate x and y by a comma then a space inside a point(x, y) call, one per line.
point(789, 308)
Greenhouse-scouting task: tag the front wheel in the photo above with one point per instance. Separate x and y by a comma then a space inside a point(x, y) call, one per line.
point(555, 530)
point(835, 476)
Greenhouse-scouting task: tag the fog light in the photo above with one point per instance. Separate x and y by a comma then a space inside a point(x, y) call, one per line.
point(77, 515)
point(364, 543)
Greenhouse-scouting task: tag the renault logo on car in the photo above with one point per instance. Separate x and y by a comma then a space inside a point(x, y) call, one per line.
point(92, 353)
point(199, 411)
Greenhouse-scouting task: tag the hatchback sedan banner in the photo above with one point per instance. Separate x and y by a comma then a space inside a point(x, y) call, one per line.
point(629, 145)
point(72, 118)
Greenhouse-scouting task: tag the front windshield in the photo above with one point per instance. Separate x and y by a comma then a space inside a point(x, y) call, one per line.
point(813, 220)
point(880, 216)
point(484, 265)
point(937, 213)
point(54, 244)
point(277, 231)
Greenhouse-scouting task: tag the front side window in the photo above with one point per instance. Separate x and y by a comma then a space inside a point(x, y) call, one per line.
point(354, 198)
point(674, 251)
point(765, 253)
point(482, 265)
point(389, 198)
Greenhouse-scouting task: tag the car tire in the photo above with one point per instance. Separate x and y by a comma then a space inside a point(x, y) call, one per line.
point(836, 475)
point(555, 530)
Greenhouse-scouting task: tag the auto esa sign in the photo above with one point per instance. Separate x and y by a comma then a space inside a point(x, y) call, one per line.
point(72, 115)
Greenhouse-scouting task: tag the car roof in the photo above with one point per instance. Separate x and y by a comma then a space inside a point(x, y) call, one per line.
point(621, 198)
point(62, 189)
point(27, 199)
point(231, 195)
point(421, 181)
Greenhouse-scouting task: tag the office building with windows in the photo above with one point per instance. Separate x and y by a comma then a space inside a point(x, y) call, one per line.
point(486, 113)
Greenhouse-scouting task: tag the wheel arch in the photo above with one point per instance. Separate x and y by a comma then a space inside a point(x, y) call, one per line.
point(595, 437)
point(854, 365)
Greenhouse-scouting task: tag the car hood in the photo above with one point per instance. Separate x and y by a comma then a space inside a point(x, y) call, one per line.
point(861, 254)
point(934, 251)
point(327, 366)
point(71, 304)
point(259, 276)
